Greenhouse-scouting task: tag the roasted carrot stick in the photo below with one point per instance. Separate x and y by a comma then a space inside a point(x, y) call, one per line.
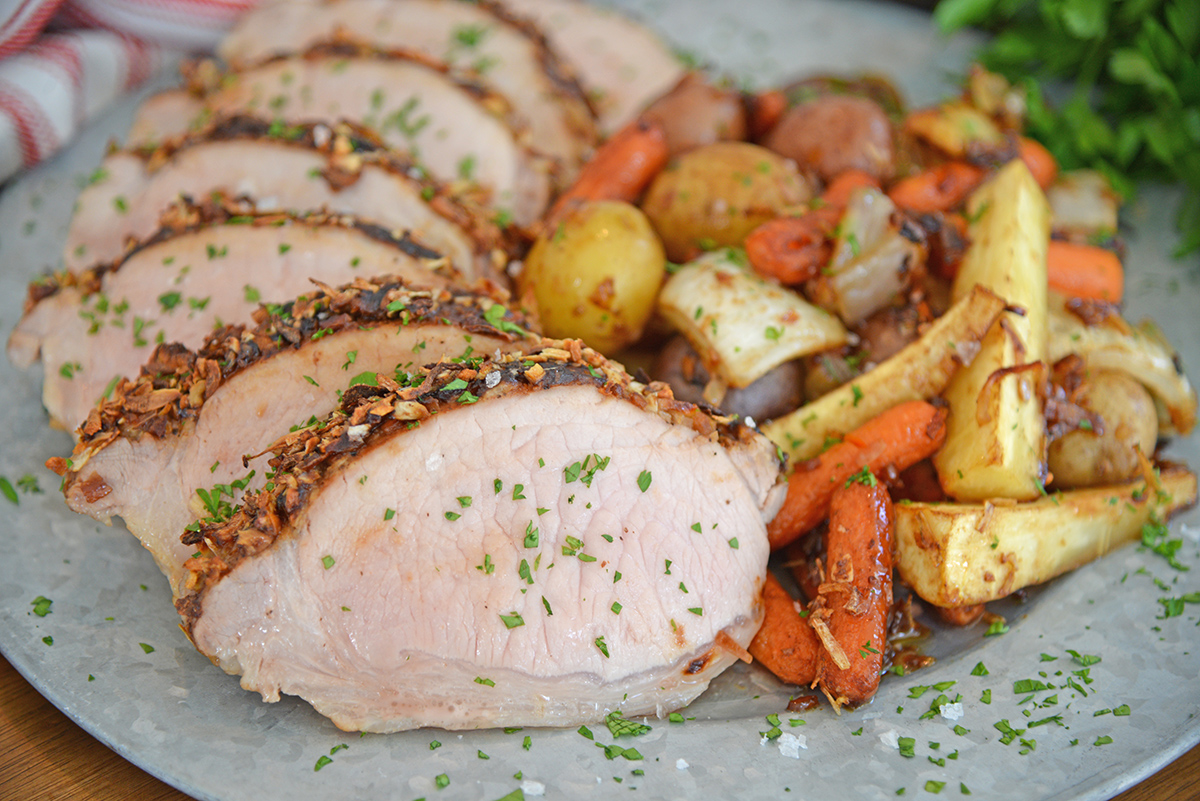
point(850, 614)
point(939, 188)
point(1039, 161)
point(765, 110)
point(1084, 271)
point(900, 437)
point(621, 168)
point(785, 645)
point(794, 249)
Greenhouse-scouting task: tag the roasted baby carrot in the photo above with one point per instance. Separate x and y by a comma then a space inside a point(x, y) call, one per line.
point(785, 645)
point(1084, 271)
point(1039, 161)
point(794, 249)
point(850, 613)
point(900, 437)
point(939, 188)
point(841, 186)
point(621, 168)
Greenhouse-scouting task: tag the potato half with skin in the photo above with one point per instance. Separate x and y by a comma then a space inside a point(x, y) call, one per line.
point(1087, 458)
point(717, 194)
point(596, 275)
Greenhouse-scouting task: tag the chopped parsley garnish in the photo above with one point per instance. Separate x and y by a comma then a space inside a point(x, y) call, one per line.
point(996, 628)
point(643, 480)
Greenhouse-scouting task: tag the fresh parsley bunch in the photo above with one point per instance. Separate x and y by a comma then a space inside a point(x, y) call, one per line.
point(1134, 110)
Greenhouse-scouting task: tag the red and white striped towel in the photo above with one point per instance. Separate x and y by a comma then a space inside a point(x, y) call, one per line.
point(63, 61)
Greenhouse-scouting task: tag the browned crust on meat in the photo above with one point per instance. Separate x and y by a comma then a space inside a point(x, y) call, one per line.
point(341, 46)
point(186, 216)
point(370, 416)
point(175, 383)
point(347, 148)
point(561, 75)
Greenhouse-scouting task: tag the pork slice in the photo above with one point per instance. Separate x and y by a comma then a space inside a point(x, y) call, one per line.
point(622, 64)
point(182, 284)
point(505, 55)
point(537, 540)
point(299, 169)
point(144, 460)
point(457, 131)
point(164, 115)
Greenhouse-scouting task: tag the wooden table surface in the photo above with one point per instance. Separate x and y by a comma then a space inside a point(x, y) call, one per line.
point(44, 756)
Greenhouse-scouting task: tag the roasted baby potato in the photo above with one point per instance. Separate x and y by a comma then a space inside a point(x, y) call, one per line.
point(697, 113)
point(717, 194)
point(596, 275)
point(834, 133)
point(1087, 457)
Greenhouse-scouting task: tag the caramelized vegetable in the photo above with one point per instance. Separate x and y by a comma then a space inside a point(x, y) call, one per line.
point(850, 613)
point(956, 554)
point(1084, 271)
point(596, 274)
point(715, 195)
point(621, 169)
point(786, 644)
point(898, 438)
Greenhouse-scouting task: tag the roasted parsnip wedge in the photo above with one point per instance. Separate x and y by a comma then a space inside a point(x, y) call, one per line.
point(918, 372)
point(741, 325)
point(955, 554)
point(1141, 352)
point(995, 441)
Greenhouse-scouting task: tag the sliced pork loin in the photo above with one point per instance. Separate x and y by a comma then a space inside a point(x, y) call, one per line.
point(343, 169)
point(531, 540)
point(509, 56)
point(205, 268)
point(186, 422)
point(456, 129)
point(622, 65)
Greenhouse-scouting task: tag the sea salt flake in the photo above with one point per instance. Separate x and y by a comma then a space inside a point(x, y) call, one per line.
point(790, 744)
point(533, 788)
point(951, 711)
point(890, 738)
point(681, 764)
